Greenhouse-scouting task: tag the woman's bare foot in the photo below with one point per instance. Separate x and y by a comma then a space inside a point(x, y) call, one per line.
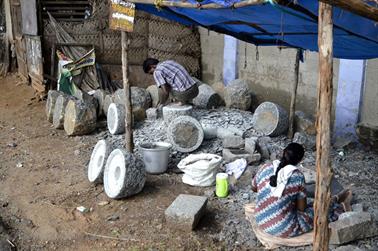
point(346, 203)
point(340, 197)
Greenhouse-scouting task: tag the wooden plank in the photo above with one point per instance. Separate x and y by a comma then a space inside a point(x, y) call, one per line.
point(294, 95)
point(129, 144)
point(29, 17)
point(170, 3)
point(64, 2)
point(323, 128)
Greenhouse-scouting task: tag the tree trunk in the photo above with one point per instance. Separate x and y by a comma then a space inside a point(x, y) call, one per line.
point(294, 95)
point(128, 118)
point(323, 127)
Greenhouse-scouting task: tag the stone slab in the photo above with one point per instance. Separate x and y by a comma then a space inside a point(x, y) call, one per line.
point(230, 155)
point(186, 211)
point(233, 142)
point(152, 114)
point(250, 144)
point(354, 226)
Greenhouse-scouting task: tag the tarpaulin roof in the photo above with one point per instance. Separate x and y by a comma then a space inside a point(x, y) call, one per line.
point(293, 25)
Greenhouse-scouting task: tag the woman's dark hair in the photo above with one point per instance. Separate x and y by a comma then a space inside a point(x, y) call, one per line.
point(292, 155)
point(148, 63)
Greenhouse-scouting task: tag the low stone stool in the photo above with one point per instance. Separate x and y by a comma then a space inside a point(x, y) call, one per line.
point(186, 211)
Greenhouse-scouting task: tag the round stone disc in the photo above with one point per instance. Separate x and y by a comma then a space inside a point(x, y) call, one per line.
point(115, 118)
point(186, 134)
point(270, 119)
point(97, 162)
point(114, 174)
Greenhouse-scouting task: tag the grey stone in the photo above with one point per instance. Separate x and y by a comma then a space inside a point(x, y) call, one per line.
point(186, 211)
point(354, 226)
point(237, 95)
point(152, 113)
point(140, 98)
point(358, 207)
point(228, 132)
point(233, 142)
point(107, 101)
point(304, 124)
point(116, 118)
point(250, 144)
point(171, 112)
point(230, 155)
point(270, 119)
point(5, 246)
point(80, 118)
point(210, 132)
point(263, 146)
point(307, 141)
point(185, 133)
point(207, 98)
point(348, 248)
point(59, 110)
point(50, 103)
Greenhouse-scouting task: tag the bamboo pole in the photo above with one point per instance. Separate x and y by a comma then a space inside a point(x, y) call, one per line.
point(170, 3)
point(129, 142)
point(294, 95)
point(323, 126)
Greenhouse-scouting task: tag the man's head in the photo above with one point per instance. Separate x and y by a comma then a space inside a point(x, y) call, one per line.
point(149, 65)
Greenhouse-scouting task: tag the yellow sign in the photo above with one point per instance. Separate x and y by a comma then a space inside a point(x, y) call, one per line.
point(121, 15)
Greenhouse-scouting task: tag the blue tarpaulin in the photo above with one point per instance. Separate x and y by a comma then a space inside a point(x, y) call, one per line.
point(294, 25)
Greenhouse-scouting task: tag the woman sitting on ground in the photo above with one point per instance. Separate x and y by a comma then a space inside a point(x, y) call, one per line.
point(281, 206)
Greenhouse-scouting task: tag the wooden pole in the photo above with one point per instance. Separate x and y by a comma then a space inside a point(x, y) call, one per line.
point(323, 127)
point(129, 142)
point(294, 95)
point(170, 3)
point(358, 7)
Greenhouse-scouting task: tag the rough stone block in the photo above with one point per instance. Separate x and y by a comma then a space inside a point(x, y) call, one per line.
point(152, 113)
point(210, 131)
point(304, 124)
point(186, 211)
point(228, 132)
point(250, 144)
point(348, 248)
point(154, 93)
point(263, 146)
point(237, 95)
point(233, 142)
point(358, 207)
point(352, 226)
point(307, 141)
point(230, 155)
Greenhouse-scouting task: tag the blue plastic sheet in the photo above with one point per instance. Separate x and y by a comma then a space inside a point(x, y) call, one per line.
point(295, 25)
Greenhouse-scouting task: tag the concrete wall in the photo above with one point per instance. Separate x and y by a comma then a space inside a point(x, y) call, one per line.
point(270, 71)
point(369, 111)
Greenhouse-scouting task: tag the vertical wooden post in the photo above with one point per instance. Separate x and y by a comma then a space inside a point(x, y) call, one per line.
point(290, 134)
point(323, 127)
point(129, 142)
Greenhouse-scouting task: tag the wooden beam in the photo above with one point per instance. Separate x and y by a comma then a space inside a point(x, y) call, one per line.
point(323, 127)
point(358, 7)
point(129, 142)
point(169, 3)
point(290, 134)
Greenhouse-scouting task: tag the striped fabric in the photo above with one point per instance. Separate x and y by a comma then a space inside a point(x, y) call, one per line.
point(278, 216)
point(171, 73)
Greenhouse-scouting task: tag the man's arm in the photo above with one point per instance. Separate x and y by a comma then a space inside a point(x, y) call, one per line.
point(163, 94)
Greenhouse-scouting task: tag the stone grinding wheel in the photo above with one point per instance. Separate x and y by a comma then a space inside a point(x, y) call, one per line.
point(116, 118)
point(97, 162)
point(52, 96)
point(270, 119)
point(207, 98)
point(79, 118)
point(171, 112)
point(186, 134)
point(124, 175)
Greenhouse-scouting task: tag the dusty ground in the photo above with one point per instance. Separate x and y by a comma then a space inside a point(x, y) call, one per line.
point(43, 180)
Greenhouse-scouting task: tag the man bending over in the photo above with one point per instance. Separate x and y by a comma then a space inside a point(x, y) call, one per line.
point(171, 78)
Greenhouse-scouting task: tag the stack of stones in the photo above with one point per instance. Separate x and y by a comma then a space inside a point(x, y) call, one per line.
point(235, 147)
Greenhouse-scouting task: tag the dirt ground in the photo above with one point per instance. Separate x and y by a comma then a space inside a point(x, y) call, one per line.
point(43, 179)
point(38, 200)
